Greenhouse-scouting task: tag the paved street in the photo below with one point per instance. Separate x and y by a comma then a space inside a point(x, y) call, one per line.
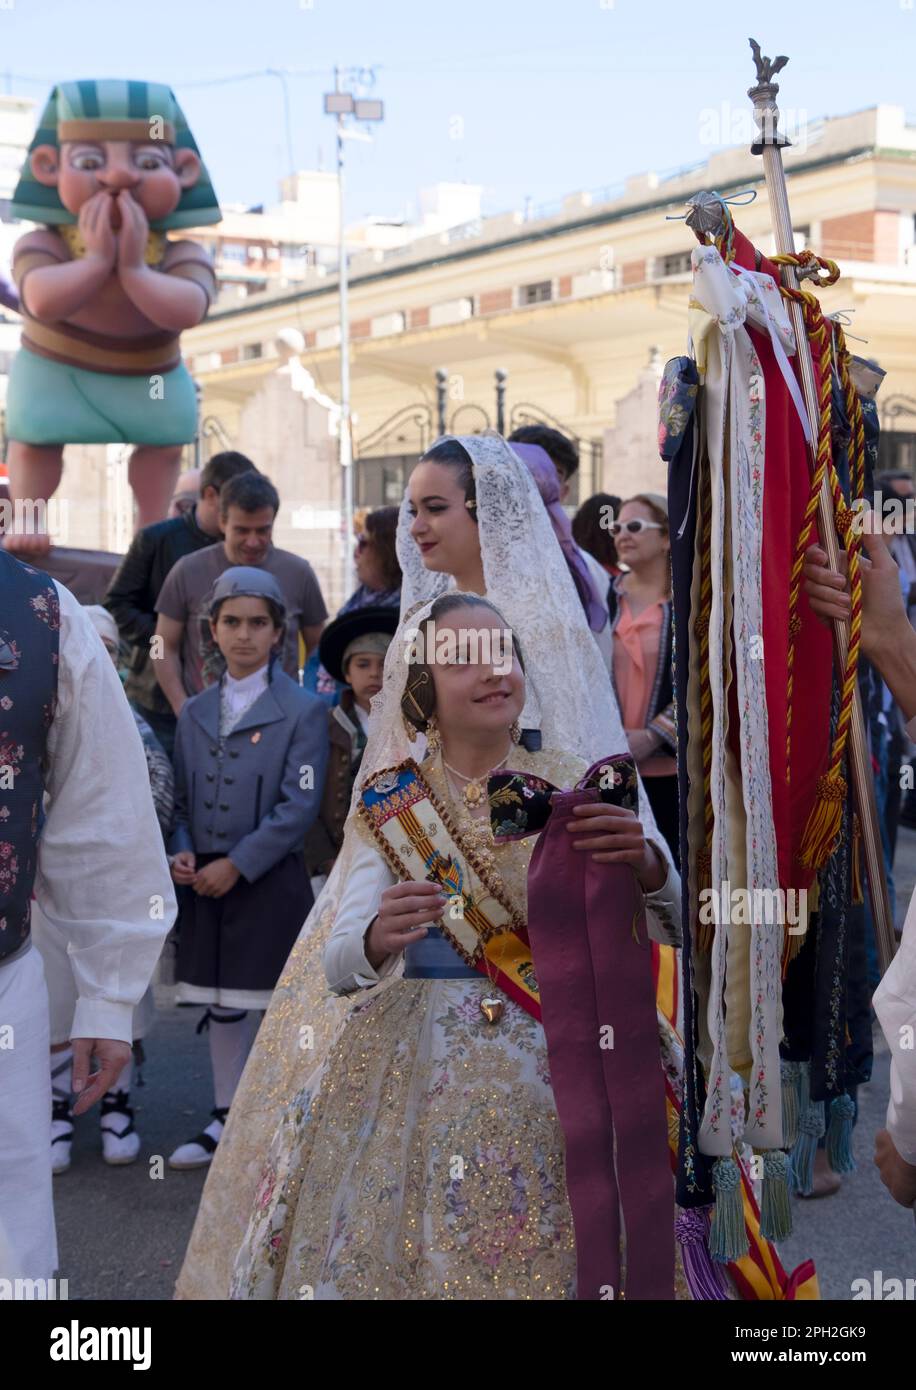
point(122, 1232)
point(861, 1230)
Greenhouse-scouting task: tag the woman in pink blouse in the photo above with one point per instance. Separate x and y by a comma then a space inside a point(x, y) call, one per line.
point(641, 624)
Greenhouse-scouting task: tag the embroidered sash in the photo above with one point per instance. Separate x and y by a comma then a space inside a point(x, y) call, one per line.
point(419, 840)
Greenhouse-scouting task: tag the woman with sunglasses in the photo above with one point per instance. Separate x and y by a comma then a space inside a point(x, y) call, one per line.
point(641, 626)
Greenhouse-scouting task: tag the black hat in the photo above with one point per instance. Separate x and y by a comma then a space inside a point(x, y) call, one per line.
point(339, 636)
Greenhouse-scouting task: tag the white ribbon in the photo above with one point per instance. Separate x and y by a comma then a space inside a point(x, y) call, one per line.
point(780, 352)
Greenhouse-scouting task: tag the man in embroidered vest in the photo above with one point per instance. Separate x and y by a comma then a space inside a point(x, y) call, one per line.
point(105, 295)
point(69, 747)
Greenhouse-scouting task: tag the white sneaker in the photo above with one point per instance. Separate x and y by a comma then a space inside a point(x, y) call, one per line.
point(61, 1135)
point(120, 1141)
point(198, 1152)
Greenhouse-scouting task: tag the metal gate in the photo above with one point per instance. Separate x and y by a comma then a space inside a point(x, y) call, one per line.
point(383, 460)
point(896, 448)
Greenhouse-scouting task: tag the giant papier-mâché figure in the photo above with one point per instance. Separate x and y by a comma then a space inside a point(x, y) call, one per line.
point(105, 294)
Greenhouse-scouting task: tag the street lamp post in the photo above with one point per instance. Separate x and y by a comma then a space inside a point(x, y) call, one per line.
point(342, 104)
point(501, 377)
point(441, 399)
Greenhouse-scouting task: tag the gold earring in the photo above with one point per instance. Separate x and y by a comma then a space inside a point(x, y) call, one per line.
point(515, 731)
point(409, 729)
point(433, 736)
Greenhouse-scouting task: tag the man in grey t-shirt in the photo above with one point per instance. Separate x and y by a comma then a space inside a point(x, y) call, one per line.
point(248, 509)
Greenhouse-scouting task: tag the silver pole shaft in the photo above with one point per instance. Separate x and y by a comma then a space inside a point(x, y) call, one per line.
point(767, 114)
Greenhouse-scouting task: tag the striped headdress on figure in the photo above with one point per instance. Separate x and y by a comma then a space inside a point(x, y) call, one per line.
point(113, 109)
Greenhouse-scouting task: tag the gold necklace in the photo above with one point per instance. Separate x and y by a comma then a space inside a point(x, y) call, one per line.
point(476, 828)
point(476, 788)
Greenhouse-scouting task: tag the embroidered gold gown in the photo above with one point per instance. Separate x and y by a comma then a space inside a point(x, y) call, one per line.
point(424, 1158)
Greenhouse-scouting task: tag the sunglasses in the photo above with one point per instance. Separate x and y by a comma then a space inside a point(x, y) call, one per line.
point(635, 526)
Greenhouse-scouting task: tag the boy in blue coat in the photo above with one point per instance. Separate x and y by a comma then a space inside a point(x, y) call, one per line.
point(250, 760)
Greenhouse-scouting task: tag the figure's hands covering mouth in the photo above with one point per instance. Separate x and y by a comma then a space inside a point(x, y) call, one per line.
point(96, 229)
point(134, 233)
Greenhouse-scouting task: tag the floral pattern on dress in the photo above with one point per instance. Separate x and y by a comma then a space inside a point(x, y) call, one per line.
point(519, 804)
point(46, 606)
point(453, 1180)
point(424, 1160)
point(11, 754)
point(28, 680)
point(9, 867)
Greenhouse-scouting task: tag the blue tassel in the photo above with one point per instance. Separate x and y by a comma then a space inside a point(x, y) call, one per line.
point(839, 1135)
point(727, 1236)
point(791, 1083)
point(810, 1129)
point(775, 1211)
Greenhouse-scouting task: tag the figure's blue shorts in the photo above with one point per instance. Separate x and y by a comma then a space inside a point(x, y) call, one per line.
point(50, 403)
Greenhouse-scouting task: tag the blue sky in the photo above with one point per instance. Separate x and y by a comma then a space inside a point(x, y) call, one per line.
point(530, 98)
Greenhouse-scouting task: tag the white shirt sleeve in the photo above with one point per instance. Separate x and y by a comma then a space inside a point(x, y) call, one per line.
point(663, 906)
point(345, 962)
point(102, 879)
point(895, 1004)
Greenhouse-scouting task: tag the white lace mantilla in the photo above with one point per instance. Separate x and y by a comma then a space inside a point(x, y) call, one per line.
point(570, 696)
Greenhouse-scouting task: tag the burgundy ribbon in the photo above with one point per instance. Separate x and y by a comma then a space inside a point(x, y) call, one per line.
point(593, 960)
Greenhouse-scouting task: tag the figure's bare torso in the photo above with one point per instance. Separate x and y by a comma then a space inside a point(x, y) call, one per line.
point(109, 311)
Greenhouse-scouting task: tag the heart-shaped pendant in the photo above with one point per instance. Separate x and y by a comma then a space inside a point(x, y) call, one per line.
point(492, 1009)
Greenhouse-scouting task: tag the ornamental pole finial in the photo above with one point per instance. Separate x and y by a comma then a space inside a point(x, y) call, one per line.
point(763, 95)
point(767, 68)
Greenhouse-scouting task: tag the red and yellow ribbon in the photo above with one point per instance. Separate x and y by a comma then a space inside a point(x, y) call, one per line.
point(828, 341)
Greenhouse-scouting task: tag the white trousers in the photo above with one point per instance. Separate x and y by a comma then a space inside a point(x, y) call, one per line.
point(28, 1243)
